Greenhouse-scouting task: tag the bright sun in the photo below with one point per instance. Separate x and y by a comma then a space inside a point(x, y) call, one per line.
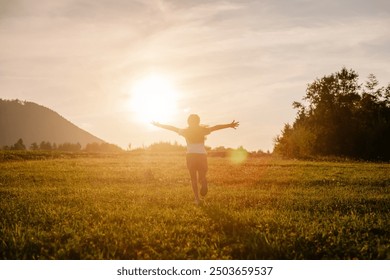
point(153, 98)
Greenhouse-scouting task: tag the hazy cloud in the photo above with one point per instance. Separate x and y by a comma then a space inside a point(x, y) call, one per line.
point(246, 58)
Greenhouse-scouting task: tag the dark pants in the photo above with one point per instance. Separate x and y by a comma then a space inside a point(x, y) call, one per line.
point(197, 162)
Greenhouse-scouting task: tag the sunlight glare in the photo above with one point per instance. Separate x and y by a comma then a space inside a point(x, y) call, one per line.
point(238, 156)
point(153, 98)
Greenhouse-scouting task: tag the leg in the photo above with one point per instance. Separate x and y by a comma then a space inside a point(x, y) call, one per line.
point(203, 182)
point(203, 166)
point(194, 183)
point(191, 165)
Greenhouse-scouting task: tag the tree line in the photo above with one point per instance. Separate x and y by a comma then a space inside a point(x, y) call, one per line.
point(158, 147)
point(66, 147)
point(340, 117)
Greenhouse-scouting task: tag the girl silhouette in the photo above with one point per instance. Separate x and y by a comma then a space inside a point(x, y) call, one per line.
point(196, 153)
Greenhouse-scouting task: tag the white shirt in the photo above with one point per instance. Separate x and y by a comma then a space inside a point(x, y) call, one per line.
point(196, 148)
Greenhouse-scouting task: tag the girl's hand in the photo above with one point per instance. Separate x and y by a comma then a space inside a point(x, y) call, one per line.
point(234, 124)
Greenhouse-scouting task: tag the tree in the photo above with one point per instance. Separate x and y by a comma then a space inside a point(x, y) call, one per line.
point(34, 146)
point(19, 145)
point(166, 147)
point(69, 147)
point(341, 118)
point(102, 148)
point(45, 146)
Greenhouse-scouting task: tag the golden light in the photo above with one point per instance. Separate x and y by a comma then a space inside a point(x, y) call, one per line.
point(153, 98)
point(238, 156)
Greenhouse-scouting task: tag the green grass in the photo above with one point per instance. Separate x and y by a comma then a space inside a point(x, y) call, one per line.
point(140, 206)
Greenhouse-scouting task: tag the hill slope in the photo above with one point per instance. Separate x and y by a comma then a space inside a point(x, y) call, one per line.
point(36, 123)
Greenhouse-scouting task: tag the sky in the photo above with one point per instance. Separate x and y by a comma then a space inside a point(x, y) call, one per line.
point(246, 60)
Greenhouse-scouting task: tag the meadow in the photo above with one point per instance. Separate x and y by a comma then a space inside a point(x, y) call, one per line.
point(141, 206)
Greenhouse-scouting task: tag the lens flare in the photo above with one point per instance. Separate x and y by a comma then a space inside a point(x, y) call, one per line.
point(238, 156)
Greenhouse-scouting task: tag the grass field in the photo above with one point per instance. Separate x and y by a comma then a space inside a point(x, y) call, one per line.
point(140, 206)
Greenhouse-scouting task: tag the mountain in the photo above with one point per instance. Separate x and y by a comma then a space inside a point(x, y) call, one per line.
point(36, 123)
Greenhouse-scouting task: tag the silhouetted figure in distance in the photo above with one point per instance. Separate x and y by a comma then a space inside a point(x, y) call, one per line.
point(196, 152)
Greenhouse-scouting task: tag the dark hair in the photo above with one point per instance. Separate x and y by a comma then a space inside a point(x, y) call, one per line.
point(193, 120)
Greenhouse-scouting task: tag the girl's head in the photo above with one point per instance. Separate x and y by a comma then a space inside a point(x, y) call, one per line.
point(193, 120)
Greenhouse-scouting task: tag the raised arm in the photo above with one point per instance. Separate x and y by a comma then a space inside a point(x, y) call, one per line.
point(168, 127)
point(233, 124)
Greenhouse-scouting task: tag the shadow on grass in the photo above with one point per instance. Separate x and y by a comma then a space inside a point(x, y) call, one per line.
point(245, 239)
point(240, 240)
